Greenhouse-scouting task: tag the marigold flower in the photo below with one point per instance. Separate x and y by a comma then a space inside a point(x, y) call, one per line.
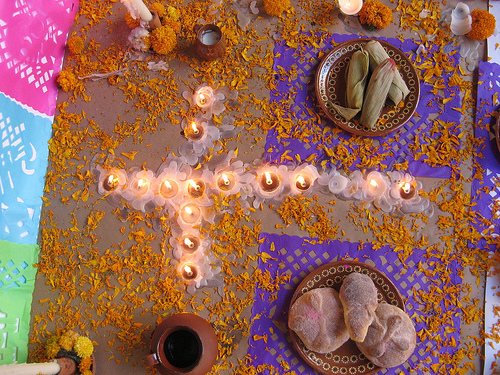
point(86, 372)
point(163, 40)
point(67, 80)
point(85, 364)
point(483, 24)
point(173, 13)
point(131, 21)
point(75, 45)
point(159, 8)
point(83, 347)
point(375, 14)
point(52, 347)
point(174, 25)
point(276, 7)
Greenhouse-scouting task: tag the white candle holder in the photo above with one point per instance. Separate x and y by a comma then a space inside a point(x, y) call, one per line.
point(375, 186)
point(190, 243)
point(197, 187)
point(210, 101)
point(111, 181)
point(201, 136)
point(169, 182)
point(302, 179)
point(269, 183)
point(231, 177)
point(190, 214)
point(405, 190)
point(199, 273)
point(350, 7)
point(354, 188)
point(139, 190)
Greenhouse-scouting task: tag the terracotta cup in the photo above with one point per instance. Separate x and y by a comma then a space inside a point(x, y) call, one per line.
point(210, 41)
point(183, 344)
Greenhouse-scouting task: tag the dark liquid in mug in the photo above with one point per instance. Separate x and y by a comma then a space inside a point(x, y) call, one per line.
point(182, 348)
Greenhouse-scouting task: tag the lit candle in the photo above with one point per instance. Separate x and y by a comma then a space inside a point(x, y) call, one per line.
point(226, 181)
point(350, 7)
point(138, 9)
point(376, 185)
point(196, 188)
point(194, 132)
point(269, 182)
point(190, 213)
point(49, 368)
point(189, 271)
point(169, 188)
point(140, 186)
point(190, 243)
point(302, 183)
point(203, 97)
point(407, 190)
point(110, 182)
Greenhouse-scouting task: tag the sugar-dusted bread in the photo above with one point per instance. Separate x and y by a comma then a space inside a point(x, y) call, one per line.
point(359, 299)
point(318, 319)
point(391, 338)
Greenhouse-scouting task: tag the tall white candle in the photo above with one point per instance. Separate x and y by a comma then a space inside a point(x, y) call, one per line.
point(138, 9)
point(49, 368)
point(350, 7)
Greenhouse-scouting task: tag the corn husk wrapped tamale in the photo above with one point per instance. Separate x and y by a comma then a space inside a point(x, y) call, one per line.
point(357, 74)
point(376, 93)
point(398, 90)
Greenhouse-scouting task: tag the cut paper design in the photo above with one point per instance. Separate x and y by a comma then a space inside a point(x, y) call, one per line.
point(23, 163)
point(17, 282)
point(297, 257)
point(32, 38)
point(298, 92)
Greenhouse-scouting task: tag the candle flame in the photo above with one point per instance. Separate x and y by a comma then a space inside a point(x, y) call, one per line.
point(188, 270)
point(406, 187)
point(301, 180)
point(195, 128)
point(188, 243)
point(167, 184)
point(111, 179)
point(188, 210)
point(141, 183)
point(269, 180)
point(194, 185)
point(373, 183)
point(203, 100)
point(225, 179)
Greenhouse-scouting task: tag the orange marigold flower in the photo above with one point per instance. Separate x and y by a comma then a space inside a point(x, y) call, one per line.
point(67, 80)
point(276, 7)
point(131, 21)
point(483, 24)
point(159, 8)
point(75, 45)
point(375, 14)
point(85, 364)
point(174, 25)
point(163, 40)
point(52, 347)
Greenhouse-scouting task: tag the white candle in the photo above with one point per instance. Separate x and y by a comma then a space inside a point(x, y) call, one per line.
point(49, 368)
point(210, 37)
point(190, 213)
point(375, 184)
point(138, 9)
point(350, 7)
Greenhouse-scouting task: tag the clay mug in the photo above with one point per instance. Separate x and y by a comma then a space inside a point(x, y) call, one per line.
point(210, 43)
point(183, 344)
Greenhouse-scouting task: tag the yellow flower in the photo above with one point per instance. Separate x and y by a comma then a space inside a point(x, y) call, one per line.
point(174, 25)
point(483, 24)
point(375, 14)
point(67, 80)
point(67, 340)
point(52, 347)
point(159, 8)
point(172, 13)
point(75, 45)
point(132, 22)
point(86, 372)
point(83, 347)
point(163, 40)
point(276, 7)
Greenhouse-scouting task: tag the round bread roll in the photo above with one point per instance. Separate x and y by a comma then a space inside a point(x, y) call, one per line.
point(359, 298)
point(318, 319)
point(391, 338)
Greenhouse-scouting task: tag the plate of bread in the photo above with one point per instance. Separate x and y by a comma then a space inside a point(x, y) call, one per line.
point(347, 317)
point(367, 87)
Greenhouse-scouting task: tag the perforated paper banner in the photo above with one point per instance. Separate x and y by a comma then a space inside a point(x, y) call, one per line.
point(32, 38)
point(303, 105)
point(23, 165)
point(17, 281)
point(299, 256)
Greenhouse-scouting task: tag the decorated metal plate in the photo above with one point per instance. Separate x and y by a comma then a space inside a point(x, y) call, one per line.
point(347, 359)
point(331, 80)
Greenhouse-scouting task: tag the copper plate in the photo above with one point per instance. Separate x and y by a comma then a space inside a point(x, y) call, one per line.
point(347, 359)
point(331, 88)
